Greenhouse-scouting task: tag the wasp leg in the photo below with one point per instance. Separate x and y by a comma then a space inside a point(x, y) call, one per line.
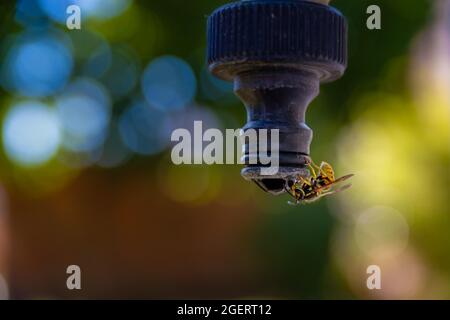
point(321, 172)
point(302, 196)
point(291, 190)
point(298, 199)
point(313, 172)
point(294, 191)
point(293, 195)
point(304, 181)
point(315, 165)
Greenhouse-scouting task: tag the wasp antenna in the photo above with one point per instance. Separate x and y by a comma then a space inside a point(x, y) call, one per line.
point(348, 186)
point(344, 178)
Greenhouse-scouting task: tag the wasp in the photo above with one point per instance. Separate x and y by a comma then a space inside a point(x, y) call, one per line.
point(318, 185)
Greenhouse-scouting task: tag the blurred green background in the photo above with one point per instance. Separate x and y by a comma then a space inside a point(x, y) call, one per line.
point(86, 176)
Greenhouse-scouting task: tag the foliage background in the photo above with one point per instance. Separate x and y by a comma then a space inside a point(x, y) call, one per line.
point(140, 227)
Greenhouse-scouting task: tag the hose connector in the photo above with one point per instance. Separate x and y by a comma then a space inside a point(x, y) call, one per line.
point(277, 52)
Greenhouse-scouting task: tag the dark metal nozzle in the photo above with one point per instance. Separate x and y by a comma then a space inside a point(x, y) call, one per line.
point(277, 52)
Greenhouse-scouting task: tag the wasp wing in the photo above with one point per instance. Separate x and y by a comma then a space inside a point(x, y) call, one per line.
point(341, 179)
point(347, 186)
point(328, 193)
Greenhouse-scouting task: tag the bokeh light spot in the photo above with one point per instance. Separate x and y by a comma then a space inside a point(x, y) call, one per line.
point(30, 14)
point(141, 128)
point(202, 183)
point(103, 9)
point(381, 230)
point(98, 62)
point(31, 133)
point(84, 110)
point(169, 83)
point(37, 66)
point(92, 52)
point(98, 9)
point(122, 75)
point(56, 10)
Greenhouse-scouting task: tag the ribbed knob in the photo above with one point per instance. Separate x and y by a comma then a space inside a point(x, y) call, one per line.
point(290, 32)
